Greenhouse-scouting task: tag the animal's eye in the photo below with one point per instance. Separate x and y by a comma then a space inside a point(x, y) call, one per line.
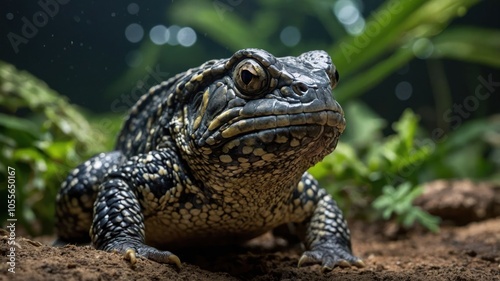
point(250, 78)
point(246, 76)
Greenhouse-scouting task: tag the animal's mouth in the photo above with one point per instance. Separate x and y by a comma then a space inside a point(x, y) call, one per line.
point(232, 124)
point(249, 125)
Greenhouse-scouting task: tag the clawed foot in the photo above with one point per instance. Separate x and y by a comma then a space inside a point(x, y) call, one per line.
point(330, 255)
point(132, 252)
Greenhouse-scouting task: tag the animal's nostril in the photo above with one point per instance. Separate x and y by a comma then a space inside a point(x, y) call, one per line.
point(300, 88)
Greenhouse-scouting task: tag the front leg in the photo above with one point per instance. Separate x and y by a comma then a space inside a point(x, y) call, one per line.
point(75, 200)
point(324, 233)
point(118, 223)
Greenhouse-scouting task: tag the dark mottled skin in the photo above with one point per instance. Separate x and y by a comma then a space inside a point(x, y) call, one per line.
point(216, 155)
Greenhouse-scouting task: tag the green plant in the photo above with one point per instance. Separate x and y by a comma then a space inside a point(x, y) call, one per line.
point(41, 137)
point(398, 201)
point(390, 170)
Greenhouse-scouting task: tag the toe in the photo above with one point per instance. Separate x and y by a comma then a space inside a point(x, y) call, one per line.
point(159, 256)
point(330, 259)
point(359, 263)
point(131, 256)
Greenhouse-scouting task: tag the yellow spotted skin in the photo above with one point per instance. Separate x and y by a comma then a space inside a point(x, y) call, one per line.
point(216, 155)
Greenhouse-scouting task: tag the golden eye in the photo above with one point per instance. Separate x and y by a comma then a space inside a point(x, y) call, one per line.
point(250, 78)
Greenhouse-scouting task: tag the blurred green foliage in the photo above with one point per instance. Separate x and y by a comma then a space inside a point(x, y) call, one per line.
point(394, 34)
point(43, 137)
point(390, 170)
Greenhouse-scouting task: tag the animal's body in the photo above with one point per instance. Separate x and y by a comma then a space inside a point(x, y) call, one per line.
point(217, 154)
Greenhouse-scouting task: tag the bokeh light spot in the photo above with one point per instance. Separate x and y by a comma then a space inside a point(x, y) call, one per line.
point(134, 33)
point(133, 8)
point(423, 48)
point(357, 27)
point(348, 12)
point(186, 36)
point(403, 90)
point(290, 36)
point(159, 34)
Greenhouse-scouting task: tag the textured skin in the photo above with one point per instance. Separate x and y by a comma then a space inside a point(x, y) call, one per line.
point(216, 155)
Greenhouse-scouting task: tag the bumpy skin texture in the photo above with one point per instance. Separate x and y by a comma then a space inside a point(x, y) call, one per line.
point(216, 155)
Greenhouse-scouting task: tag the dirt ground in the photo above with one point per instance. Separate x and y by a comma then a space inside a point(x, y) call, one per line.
point(470, 252)
point(466, 248)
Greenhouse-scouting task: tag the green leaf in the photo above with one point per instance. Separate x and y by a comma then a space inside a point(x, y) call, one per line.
point(366, 80)
point(467, 43)
point(427, 220)
point(398, 202)
point(57, 150)
point(219, 21)
point(383, 29)
point(406, 127)
point(397, 37)
point(19, 124)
